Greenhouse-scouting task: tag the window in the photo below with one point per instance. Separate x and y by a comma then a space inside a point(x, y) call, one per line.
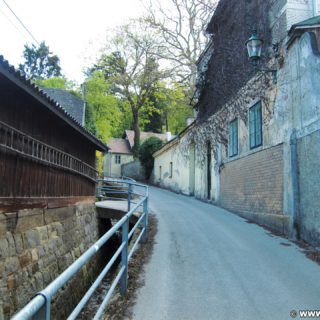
point(170, 176)
point(255, 126)
point(117, 158)
point(233, 138)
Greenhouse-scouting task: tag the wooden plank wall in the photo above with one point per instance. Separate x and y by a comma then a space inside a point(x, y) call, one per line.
point(24, 113)
point(21, 177)
point(64, 168)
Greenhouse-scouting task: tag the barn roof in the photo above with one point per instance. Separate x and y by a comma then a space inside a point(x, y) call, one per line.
point(72, 104)
point(53, 106)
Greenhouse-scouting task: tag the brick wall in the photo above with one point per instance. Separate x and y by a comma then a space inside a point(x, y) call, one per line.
point(254, 183)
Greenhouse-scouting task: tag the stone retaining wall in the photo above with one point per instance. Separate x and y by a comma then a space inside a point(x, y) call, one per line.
point(133, 170)
point(36, 245)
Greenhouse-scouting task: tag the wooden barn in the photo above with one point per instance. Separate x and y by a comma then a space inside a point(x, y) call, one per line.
point(46, 157)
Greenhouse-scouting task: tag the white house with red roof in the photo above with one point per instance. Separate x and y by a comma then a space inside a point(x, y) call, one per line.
point(120, 151)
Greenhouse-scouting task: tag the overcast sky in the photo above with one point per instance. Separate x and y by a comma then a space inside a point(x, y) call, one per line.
point(73, 29)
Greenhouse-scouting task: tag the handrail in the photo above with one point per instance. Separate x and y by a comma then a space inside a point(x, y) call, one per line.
point(39, 306)
point(16, 141)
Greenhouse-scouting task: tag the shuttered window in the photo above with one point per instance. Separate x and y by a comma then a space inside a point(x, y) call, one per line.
point(233, 138)
point(255, 126)
point(118, 159)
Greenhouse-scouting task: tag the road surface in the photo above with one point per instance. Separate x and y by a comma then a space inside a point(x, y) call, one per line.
point(211, 264)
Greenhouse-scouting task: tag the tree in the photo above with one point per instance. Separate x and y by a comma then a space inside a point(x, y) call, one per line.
point(175, 108)
point(147, 149)
point(39, 62)
point(131, 66)
point(107, 114)
point(180, 25)
point(56, 82)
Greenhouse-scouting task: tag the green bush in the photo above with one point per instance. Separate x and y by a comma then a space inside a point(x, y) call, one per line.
point(148, 147)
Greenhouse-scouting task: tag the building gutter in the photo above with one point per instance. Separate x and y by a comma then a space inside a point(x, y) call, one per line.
point(295, 230)
point(315, 7)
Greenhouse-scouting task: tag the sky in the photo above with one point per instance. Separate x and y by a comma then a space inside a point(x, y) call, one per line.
point(73, 29)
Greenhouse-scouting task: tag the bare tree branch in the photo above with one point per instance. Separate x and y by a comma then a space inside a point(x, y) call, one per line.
point(181, 27)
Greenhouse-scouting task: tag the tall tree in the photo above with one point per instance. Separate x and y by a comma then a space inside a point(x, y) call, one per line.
point(180, 24)
point(107, 114)
point(175, 107)
point(56, 82)
point(39, 62)
point(131, 65)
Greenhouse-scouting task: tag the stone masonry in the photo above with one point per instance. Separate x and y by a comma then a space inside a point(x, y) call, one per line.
point(36, 245)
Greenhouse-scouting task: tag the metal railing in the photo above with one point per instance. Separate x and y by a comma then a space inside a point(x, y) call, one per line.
point(39, 306)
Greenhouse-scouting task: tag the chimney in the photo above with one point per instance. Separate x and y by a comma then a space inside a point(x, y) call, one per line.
point(168, 136)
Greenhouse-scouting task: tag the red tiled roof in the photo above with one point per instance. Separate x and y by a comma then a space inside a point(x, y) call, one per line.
point(143, 136)
point(119, 146)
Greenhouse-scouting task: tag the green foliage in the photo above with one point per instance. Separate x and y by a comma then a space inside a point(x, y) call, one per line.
point(147, 149)
point(56, 82)
point(111, 65)
point(105, 106)
point(39, 62)
point(89, 121)
point(131, 69)
point(174, 105)
point(152, 119)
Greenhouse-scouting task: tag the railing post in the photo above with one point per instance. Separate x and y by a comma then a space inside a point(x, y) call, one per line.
point(124, 258)
point(129, 195)
point(145, 220)
point(44, 312)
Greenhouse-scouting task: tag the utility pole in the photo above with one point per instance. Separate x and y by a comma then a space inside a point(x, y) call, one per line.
point(84, 98)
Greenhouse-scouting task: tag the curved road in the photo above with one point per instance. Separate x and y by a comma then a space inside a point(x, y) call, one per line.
point(210, 264)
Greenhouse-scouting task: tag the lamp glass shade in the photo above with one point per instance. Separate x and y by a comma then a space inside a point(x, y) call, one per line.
point(254, 46)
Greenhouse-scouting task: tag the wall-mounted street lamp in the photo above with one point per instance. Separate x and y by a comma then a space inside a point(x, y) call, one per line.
point(254, 47)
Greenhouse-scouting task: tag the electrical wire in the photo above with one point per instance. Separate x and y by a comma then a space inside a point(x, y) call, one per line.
point(26, 29)
point(23, 25)
point(13, 25)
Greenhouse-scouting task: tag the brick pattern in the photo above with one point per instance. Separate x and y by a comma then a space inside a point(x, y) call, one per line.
point(254, 183)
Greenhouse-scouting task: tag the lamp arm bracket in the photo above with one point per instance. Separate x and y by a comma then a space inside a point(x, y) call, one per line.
point(272, 71)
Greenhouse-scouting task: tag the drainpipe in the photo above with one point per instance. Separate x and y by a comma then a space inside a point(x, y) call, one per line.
point(315, 7)
point(84, 97)
point(295, 230)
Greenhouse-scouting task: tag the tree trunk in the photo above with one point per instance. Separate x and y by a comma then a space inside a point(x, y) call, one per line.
point(136, 130)
point(167, 125)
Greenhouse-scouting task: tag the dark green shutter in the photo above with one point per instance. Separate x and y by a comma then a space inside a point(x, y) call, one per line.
point(233, 138)
point(255, 126)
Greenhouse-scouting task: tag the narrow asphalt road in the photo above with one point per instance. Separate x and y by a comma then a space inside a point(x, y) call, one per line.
point(210, 264)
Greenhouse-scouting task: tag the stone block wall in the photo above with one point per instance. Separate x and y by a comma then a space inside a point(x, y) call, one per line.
point(36, 245)
point(133, 170)
point(254, 184)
